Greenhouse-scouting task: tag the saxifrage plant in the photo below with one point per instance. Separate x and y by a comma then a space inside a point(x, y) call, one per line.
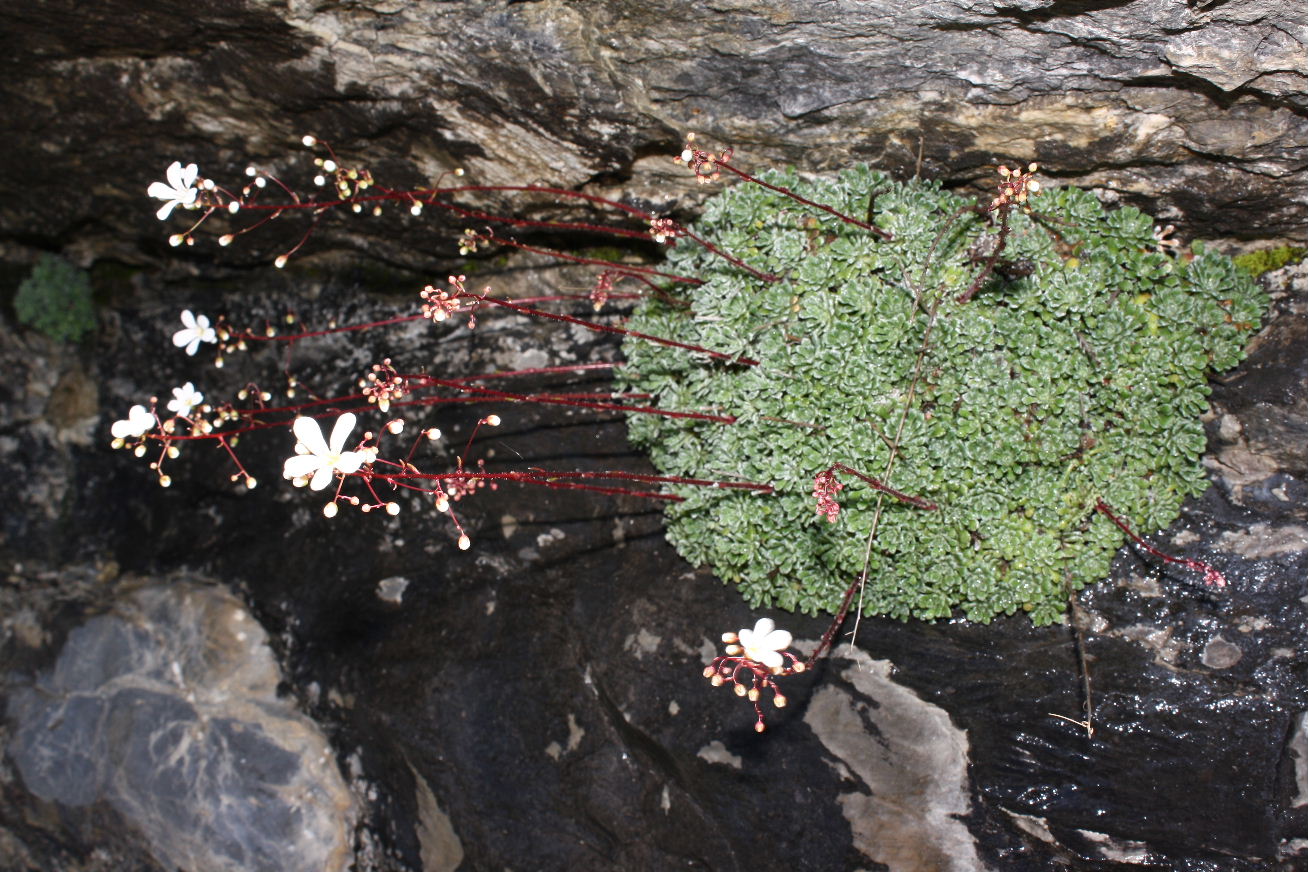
point(1005, 388)
point(1072, 376)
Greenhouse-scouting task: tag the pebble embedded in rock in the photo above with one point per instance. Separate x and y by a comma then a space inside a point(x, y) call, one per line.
point(1220, 654)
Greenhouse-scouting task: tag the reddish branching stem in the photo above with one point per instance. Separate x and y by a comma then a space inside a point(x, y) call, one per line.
point(606, 328)
point(877, 484)
point(1211, 575)
point(829, 636)
point(784, 191)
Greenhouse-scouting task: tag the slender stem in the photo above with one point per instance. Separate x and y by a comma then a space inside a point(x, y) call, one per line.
point(562, 400)
point(626, 269)
point(1211, 576)
point(1082, 665)
point(605, 328)
point(741, 174)
point(897, 494)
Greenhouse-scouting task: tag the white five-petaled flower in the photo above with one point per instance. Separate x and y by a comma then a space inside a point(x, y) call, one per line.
point(179, 190)
point(765, 643)
point(138, 422)
point(185, 399)
point(319, 458)
point(195, 329)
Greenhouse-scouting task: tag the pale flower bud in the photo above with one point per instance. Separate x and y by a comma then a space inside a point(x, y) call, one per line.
point(396, 426)
point(225, 240)
point(233, 207)
point(464, 542)
point(329, 166)
point(330, 510)
point(309, 141)
point(280, 261)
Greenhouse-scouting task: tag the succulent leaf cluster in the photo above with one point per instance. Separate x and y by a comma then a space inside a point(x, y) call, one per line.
point(1077, 373)
point(56, 299)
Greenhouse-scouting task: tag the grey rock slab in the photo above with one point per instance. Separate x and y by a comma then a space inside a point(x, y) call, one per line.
point(166, 708)
point(909, 764)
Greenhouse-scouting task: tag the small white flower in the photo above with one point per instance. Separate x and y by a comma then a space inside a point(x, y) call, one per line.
point(195, 329)
point(317, 457)
point(178, 190)
point(185, 399)
point(139, 421)
point(765, 643)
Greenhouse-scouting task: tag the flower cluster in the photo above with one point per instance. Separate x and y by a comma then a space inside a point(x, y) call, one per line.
point(753, 662)
point(702, 162)
point(438, 304)
point(599, 294)
point(663, 230)
point(348, 182)
point(1164, 241)
point(825, 488)
point(143, 425)
point(383, 384)
point(1015, 188)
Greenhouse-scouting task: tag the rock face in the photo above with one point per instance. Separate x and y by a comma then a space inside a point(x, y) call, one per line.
point(1193, 110)
point(536, 702)
point(166, 708)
